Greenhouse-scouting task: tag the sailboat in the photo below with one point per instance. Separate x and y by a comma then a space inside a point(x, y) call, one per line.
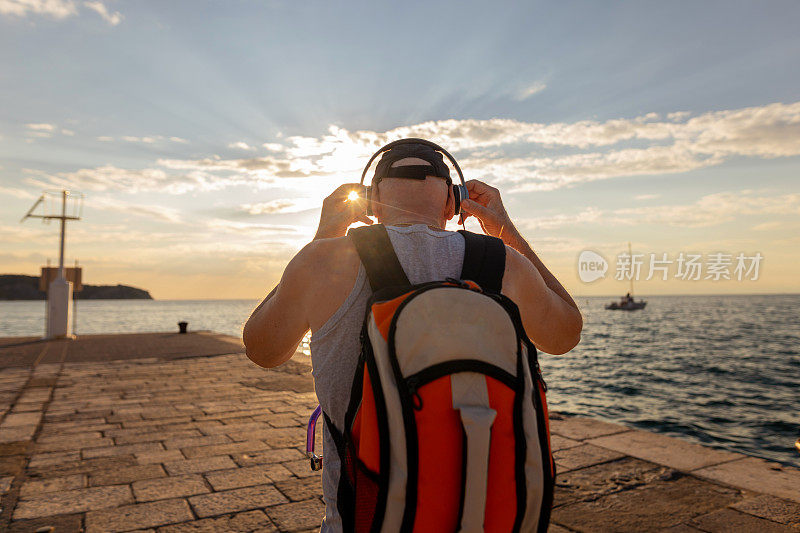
point(627, 302)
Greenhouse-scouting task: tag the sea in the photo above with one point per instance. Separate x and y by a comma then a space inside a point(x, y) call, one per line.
point(723, 371)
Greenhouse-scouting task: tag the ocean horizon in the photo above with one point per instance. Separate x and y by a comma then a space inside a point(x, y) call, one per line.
point(719, 370)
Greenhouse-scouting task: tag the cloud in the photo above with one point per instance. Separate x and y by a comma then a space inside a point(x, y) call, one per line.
point(44, 130)
point(165, 257)
point(58, 9)
point(147, 139)
point(41, 127)
point(154, 212)
point(678, 116)
point(646, 196)
point(550, 173)
point(241, 145)
point(767, 226)
point(709, 210)
point(25, 233)
point(110, 178)
point(283, 205)
point(522, 156)
point(680, 143)
point(727, 206)
point(731, 131)
point(231, 226)
point(17, 193)
point(530, 90)
point(274, 147)
point(131, 139)
point(589, 215)
point(271, 166)
point(100, 8)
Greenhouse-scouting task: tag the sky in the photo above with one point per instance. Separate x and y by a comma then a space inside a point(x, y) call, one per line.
point(205, 134)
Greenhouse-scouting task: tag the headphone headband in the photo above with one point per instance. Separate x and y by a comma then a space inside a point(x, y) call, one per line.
point(460, 192)
point(413, 140)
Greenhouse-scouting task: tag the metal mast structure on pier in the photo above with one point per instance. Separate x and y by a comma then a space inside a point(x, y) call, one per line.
point(59, 290)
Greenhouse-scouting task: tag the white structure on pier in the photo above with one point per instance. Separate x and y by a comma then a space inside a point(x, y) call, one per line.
point(59, 291)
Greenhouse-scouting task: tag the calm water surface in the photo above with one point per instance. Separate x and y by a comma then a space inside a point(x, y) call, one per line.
point(720, 370)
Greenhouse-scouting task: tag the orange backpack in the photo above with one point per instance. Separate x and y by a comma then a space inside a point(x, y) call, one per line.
point(447, 426)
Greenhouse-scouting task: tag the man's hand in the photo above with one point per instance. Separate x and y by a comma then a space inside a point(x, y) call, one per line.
point(338, 213)
point(486, 205)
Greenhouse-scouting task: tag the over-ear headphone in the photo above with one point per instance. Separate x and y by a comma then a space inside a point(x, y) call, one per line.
point(460, 191)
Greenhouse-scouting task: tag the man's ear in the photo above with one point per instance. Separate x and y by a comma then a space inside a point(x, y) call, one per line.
point(450, 206)
point(374, 201)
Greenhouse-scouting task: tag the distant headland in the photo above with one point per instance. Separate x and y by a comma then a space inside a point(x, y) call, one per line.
point(21, 287)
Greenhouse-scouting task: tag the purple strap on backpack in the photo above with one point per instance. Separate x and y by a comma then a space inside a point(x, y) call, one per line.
point(316, 460)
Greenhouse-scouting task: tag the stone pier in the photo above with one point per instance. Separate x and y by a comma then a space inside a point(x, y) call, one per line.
point(181, 433)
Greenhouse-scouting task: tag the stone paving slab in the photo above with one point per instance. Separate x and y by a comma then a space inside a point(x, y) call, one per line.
point(139, 516)
point(124, 441)
point(652, 508)
point(242, 499)
point(582, 456)
point(56, 484)
point(5, 484)
point(73, 522)
point(664, 450)
point(30, 351)
point(728, 520)
point(783, 511)
point(202, 464)
point(240, 477)
point(596, 481)
point(72, 501)
point(169, 487)
point(758, 475)
point(298, 515)
point(247, 522)
point(582, 428)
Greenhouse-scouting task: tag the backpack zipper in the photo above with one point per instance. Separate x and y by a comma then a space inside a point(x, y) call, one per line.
point(412, 384)
point(455, 366)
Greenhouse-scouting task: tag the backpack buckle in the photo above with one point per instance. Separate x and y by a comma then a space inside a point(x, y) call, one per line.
point(465, 284)
point(315, 461)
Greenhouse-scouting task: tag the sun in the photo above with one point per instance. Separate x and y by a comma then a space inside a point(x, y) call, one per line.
point(353, 196)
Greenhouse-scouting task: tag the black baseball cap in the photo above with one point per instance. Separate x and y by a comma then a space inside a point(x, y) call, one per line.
point(435, 164)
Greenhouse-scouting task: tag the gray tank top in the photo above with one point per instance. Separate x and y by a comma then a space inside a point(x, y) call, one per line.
point(426, 255)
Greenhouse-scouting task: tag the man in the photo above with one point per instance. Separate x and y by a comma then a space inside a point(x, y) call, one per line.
point(324, 288)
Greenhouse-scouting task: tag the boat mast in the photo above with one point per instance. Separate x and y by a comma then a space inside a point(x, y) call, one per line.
point(63, 219)
point(630, 254)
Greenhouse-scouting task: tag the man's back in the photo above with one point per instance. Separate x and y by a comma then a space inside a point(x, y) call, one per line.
point(426, 255)
point(324, 280)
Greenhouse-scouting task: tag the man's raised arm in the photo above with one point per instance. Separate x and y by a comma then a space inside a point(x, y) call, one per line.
point(277, 326)
point(549, 314)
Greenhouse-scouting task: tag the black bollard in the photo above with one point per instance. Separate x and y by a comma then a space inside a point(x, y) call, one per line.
point(182, 327)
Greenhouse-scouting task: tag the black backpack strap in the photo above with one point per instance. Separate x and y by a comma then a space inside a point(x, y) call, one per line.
point(484, 260)
point(345, 493)
point(378, 256)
